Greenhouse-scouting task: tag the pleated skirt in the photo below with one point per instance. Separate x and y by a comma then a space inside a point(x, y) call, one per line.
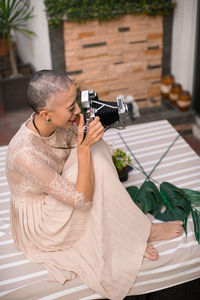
point(104, 245)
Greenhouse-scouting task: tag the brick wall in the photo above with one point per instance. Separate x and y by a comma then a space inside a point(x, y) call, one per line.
point(123, 56)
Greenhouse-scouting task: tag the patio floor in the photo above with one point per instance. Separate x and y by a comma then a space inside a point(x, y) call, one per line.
point(10, 123)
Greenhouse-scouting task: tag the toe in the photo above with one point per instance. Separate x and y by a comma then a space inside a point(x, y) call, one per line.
point(179, 222)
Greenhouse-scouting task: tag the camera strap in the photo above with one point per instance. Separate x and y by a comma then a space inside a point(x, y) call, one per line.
point(86, 127)
point(67, 148)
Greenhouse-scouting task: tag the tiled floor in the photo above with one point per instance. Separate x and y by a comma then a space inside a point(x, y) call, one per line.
point(10, 123)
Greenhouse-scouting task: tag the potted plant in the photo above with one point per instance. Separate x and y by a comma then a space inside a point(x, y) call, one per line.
point(122, 163)
point(13, 17)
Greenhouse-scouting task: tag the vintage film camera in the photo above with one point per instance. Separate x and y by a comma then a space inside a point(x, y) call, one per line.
point(112, 114)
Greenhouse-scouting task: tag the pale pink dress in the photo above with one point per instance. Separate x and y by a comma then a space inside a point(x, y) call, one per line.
point(56, 226)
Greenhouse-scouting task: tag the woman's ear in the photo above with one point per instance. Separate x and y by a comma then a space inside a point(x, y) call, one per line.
point(45, 115)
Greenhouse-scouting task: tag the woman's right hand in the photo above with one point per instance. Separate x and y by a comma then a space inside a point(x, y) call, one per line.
point(94, 134)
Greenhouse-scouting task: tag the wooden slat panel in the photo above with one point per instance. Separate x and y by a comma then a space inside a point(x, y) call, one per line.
point(120, 44)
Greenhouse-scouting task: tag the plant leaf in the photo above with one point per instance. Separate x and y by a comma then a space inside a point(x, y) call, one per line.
point(195, 217)
point(176, 204)
point(24, 31)
point(132, 190)
point(193, 196)
point(185, 225)
point(147, 197)
point(13, 15)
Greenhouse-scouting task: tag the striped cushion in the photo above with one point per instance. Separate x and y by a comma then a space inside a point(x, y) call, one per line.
point(179, 258)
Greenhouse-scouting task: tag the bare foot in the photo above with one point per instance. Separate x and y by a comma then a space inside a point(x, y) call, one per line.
point(150, 252)
point(165, 231)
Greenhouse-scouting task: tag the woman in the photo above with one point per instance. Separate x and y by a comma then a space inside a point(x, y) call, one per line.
point(69, 211)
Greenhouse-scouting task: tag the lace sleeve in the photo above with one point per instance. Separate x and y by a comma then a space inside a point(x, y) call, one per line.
point(49, 181)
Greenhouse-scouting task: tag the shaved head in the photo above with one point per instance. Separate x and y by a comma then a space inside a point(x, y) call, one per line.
point(43, 85)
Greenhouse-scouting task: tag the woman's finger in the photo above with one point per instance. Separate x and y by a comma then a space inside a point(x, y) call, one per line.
point(96, 130)
point(96, 133)
point(94, 124)
point(94, 121)
point(99, 129)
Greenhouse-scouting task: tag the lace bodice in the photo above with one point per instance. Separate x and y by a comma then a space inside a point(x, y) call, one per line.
point(34, 168)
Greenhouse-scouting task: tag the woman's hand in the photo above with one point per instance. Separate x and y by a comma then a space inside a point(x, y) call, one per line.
point(94, 134)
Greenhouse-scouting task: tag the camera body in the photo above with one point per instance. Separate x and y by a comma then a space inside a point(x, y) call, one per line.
point(112, 114)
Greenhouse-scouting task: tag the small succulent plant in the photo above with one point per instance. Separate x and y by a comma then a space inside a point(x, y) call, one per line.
point(120, 159)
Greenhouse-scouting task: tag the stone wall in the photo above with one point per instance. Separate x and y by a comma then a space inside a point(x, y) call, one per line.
point(122, 56)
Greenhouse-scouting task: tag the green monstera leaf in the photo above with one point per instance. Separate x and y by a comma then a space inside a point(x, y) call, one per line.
point(194, 198)
point(175, 204)
point(196, 221)
point(147, 197)
point(169, 204)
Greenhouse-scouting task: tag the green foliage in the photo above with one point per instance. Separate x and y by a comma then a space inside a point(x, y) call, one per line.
point(176, 203)
point(82, 10)
point(169, 204)
point(13, 15)
point(120, 159)
point(147, 197)
point(194, 198)
point(196, 221)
